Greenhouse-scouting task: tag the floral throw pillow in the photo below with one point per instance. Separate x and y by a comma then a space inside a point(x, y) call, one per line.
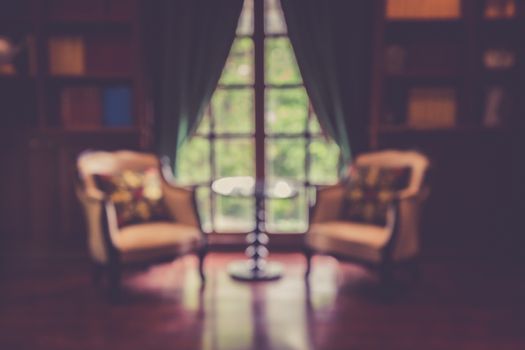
point(370, 191)
point(137, 196)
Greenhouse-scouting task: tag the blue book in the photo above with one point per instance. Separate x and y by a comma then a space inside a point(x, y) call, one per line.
point(117, 106)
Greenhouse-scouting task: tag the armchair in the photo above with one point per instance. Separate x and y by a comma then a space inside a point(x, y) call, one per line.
point(375, 245)
point(113, 245)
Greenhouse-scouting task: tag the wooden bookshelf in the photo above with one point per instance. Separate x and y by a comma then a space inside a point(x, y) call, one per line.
point(453, 45)
point(69, 44)
point(54, 112)
point(476, 162)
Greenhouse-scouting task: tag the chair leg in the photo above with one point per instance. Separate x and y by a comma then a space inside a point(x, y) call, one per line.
point(97, 272)
point(387, 284)
point(386, 276)
point(308, 254)
point(202, 255)
point(415, 269)
point(115, 277)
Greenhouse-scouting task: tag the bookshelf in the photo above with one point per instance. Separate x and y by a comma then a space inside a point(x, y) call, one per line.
point(77, 66)
point(76, 83)
point(446, 65)
point(501, 57)
point(446, 82)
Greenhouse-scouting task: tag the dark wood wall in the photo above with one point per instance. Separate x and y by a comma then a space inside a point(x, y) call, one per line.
point(472, 207)
point(477, 173)
point(39, 210)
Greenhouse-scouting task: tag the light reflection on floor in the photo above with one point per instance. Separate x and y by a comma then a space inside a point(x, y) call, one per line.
point(240, 315)
point(52, 304)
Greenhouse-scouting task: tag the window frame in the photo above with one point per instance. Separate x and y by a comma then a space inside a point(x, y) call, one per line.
point(259, 136)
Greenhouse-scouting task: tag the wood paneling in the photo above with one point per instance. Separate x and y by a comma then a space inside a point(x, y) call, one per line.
point(38, 205)
point(470, 209)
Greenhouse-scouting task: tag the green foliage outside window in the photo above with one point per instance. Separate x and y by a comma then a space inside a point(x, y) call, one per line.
point(239, 66)
point(233, 110)
point(287, 121)
point(286, 110)
point(281, 67)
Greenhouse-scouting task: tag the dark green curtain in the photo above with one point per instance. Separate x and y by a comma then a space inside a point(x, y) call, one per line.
point(332, 43)
point(186, 43)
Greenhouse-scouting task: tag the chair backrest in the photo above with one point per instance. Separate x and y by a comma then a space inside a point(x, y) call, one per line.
point(407, 242)
point(102, 162)
point(394, 158)
point(90, 163)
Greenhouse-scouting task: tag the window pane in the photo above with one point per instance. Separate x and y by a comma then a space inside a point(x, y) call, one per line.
point(234, 214)
point(203, 204)
point(245, 25)
point(274, 22)
point(239, 66)
point(281, 67)
point(204, 125)
point(287, 215)
point(233, 110)
point(194, 154)
point(285, 158)
point(313, 124)
point(286, 110)
point(324, 159)
point(234, 157)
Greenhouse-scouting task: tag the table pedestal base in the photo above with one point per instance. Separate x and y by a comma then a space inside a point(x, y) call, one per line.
point(244, 271)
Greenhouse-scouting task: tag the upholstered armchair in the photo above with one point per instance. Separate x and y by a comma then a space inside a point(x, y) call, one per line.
point(377, 245)
point(146, 235)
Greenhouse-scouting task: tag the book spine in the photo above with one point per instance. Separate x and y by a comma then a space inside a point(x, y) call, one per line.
point(423, 9)
point(81, 107)
point(117, 106)
point(67, 55)
point(432, 108)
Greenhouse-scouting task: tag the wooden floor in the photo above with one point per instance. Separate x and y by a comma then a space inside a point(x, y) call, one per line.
point(51, 304)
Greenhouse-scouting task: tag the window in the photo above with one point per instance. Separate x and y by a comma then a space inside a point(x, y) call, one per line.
point(259, 123)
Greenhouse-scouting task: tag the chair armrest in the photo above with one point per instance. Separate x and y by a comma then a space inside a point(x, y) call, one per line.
point(403, 223)
point(95, 196)
point(328, 203)
point(409, 194)
point(101, 222)
point(180, 200)
point(181, 203)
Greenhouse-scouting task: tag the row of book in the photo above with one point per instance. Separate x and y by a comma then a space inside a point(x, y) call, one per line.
point(499, 59)
point(436, 107)
point(18, 55)
point(422, 57)
point(445, 9)
point(87, 107)
point(69, 55)
point(498, 106)
point(423, 9)
point(78, 55)
point(500, 9)
point(92, 9)
point(431, 107)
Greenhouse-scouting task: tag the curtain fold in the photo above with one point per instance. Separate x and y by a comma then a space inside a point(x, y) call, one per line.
point(186, 44)
point(332, 43)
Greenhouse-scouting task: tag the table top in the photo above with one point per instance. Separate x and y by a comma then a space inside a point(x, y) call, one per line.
point(247, 186)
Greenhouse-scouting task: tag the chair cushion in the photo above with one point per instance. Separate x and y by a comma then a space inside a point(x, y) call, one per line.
point(156, 239)
point(359, 240)
point(137, 195)
point(370, 190)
